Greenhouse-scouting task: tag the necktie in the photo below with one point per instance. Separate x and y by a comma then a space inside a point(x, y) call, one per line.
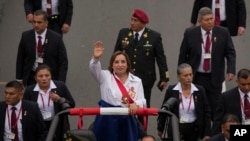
point(217, 12)
point(136, 38)
point(246, 106)
point(49, 11)
point(14, 123)
point(39, 46)
point(206, 64)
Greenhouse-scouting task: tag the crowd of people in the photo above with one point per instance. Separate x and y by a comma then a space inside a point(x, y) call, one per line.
point(206, 53)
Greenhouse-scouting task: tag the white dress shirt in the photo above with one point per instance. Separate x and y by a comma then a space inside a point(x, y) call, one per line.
point(44, 41)
point(140, 33)
point(222, 7)
point(242, 97)
point(7, 128)
point(184, 109)
point(203, 43)
point(54, 6)
point(44, 102)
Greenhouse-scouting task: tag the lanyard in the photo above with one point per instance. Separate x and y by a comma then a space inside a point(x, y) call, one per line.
point(189, 105)
point(43, 101)
point(15, 125)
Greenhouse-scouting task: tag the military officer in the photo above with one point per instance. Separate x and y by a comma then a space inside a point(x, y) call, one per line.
point(144, 48)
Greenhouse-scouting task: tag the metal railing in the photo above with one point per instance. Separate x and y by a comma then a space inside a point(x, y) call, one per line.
point(113, 111)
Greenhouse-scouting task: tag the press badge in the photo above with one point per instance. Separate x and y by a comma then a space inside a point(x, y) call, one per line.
point(184, 119)
point(48, 5)
point(39, 60)
point(207, 56)
point(10, 136)
point(217, 5)
point(46, 115)
point(247, 122)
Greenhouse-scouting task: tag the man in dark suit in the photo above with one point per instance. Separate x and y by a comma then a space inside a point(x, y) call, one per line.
point(205, 48)
point(228, 119)
point(144, 47)
point(232, 14)
point(60, 16)
point(28, 124)
point(232, 101)
point(41, 46)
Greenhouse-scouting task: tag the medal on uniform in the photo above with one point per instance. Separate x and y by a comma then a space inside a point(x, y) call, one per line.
point(131, 92)
point(124, 99)
point(125, 42)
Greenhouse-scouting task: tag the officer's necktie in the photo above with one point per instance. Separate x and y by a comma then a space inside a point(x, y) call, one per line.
point(246, 107)
point(206, 64)
point(217, 12)
point(14, 123)
point(136, 38)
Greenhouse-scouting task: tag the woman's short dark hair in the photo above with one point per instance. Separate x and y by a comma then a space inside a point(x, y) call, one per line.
point(42, 67)
point(112, 59)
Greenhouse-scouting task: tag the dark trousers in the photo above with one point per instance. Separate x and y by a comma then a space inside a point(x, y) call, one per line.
point(213, 92)
point(189, 131)
point(147, 95)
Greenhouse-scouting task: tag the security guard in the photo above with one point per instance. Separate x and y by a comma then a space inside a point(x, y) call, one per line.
point(144, 47)
point(59, 11)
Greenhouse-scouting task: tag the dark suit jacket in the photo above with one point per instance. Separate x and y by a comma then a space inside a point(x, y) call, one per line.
point(55, 55)
point(62, 91)
point(229, 104)
point(65, 8)
point(219, 137)
point(202, 109)
point(33, 126)
point(235, 13)
point(143, 56)
point(222, 47)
